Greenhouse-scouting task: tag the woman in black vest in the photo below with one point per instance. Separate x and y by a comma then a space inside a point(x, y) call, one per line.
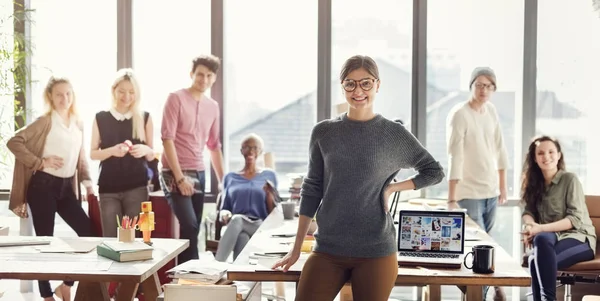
point(122, 142)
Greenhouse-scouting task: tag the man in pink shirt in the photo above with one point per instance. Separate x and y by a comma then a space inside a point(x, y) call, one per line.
point(190, 121)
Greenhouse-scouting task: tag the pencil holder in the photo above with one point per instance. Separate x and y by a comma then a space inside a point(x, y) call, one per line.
point(126, 235)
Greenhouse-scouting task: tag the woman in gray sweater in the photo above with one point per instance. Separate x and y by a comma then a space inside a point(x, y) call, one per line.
point(353, 159)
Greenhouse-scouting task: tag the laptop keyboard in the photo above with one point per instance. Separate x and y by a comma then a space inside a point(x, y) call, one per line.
point(428, 255)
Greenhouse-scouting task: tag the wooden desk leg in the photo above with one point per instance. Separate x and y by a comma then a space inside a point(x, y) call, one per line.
point(474, 293)
point(434, 293)
point(151, 287)
point(91, 291)
point(127, 291)
point(280, 289)
point(346, 292)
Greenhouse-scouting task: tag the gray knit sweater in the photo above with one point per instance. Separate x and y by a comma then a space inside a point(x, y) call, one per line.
point(350, 164)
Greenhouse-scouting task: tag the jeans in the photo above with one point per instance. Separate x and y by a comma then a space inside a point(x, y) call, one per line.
point(482, 212)
point(550, 255)
point(48, 195)
point(236, 236)
point(188, 210)
point(118, 204)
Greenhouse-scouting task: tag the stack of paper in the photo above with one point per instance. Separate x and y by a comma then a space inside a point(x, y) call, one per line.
point(206, 271)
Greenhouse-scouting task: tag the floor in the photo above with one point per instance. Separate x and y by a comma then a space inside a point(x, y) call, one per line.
point(504, 233)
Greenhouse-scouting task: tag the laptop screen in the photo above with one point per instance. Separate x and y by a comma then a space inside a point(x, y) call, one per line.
point(431, 231)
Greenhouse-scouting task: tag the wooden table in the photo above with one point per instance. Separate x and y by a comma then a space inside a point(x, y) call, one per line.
point(27, 263)
point(508, 270)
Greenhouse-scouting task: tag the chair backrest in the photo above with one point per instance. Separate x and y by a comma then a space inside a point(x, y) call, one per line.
point(593, 206)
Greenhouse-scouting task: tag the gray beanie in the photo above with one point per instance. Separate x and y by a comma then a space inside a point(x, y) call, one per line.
point(485, 71)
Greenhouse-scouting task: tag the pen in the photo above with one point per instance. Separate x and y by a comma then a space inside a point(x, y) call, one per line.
point(134, 223)
point(118, 223)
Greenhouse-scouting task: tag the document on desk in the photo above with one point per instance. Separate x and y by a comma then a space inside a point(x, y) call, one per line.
point(67, 265)
point(66, 245)
point(264, 263)
point(472, 234)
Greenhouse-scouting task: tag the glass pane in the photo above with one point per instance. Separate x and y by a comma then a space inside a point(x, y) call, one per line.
point(270, 80)
point(567, 80)
point(7, 119)
point(82, 47)
point(462, 35)
point(163, 52)
point(383, 31)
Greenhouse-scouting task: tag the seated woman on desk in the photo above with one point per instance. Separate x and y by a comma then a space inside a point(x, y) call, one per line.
point(556, 220)
point(245, 200)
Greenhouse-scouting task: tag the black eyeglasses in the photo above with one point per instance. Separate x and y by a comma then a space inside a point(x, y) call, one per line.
point(481, 86)
point(366, 84)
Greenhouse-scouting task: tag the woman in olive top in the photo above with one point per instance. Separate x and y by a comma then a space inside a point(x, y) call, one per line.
point(50, 164)
point(123, 179)
point(556, 220)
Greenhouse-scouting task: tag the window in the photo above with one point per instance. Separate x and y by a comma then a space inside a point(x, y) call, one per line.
point(7, 119)
point(270, 80)
point(567, 80)
point(462, 35)
point(80, 46)
point(383, 31)
point(163, 53)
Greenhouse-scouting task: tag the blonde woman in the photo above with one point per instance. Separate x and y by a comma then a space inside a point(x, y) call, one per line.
point(122, 142)
point(50, 164)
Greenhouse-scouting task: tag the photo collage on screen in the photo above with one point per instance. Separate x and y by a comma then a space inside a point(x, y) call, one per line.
point(427, 233)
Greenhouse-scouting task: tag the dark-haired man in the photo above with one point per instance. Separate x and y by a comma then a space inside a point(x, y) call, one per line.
point(191, 121)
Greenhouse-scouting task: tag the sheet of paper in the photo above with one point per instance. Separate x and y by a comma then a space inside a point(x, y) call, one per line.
point(206, 267)
point(68, 246)
point(56, 266)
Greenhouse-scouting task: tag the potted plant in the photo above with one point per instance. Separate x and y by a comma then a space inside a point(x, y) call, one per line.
point(15, 49)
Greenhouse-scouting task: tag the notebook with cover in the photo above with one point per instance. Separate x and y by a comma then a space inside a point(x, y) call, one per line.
point(431, 238)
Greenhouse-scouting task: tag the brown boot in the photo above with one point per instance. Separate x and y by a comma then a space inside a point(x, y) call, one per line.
point(499, 294)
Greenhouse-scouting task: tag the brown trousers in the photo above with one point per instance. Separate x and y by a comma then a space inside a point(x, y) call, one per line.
point(324, 275)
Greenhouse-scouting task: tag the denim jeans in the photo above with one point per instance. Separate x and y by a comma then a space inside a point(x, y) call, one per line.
point(482, 212)
point(48, 195)
point(549, 255)
point(188, 210)
point(236, 236)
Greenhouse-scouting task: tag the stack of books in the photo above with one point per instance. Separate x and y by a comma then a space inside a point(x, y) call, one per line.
point(124, 251)
point(295, 185)
point(200, 271)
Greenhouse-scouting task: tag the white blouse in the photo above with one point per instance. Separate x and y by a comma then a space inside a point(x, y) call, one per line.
point(65, 142)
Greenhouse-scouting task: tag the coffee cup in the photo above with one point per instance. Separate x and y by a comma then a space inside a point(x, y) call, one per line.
point(289, 210)
point(483, 259)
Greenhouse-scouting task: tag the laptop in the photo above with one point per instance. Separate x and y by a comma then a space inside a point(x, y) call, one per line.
point(431, 238)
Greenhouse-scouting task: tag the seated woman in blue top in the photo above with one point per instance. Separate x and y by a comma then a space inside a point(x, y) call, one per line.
point(246, 202)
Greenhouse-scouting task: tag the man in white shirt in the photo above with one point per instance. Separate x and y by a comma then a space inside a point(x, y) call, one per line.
point(477, 155)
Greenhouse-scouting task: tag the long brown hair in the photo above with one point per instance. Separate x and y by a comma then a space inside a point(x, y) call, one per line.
point(533, 185)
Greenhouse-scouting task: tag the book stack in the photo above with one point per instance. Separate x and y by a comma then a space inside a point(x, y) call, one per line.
point(200, 271)
point(124, 251)
point(295, 185)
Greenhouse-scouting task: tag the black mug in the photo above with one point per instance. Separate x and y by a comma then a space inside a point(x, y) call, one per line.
point(483, 259)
